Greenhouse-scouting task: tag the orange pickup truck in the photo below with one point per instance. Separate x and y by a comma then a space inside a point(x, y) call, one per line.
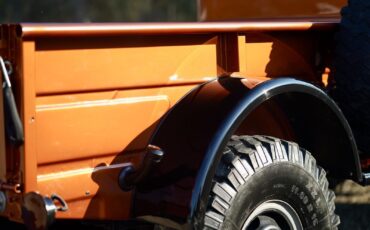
point(182, 125)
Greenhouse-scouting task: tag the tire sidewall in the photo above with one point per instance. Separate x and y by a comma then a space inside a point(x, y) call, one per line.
point(286, 182)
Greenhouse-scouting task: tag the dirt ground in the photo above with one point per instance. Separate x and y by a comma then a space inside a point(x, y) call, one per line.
point(353, 205)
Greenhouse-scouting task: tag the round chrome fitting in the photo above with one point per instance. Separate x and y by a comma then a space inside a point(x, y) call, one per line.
point(39, 211)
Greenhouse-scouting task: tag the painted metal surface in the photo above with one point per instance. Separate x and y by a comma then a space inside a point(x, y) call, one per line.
point(111, 63)
point(207, 117)
point(92, 95)
point(29, 30)
point(91, 104)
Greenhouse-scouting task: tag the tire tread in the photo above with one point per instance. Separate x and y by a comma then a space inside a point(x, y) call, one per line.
point(250, 154)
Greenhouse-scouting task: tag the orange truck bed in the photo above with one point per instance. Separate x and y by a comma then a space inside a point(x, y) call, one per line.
point(91, 95)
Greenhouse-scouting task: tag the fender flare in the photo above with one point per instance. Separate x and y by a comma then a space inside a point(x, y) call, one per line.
point(195, 131)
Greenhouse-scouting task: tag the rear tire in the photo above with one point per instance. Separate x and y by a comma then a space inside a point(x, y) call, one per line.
point(264, 181)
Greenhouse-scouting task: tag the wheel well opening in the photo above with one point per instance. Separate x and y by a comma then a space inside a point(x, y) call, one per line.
point(310, 122)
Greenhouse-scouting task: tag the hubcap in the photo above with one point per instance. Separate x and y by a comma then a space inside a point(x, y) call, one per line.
point(273, 215)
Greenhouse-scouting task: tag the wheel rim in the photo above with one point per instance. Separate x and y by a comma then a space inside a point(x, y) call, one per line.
point(271, 215)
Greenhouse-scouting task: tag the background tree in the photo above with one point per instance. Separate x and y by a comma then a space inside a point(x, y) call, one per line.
point(97, 10)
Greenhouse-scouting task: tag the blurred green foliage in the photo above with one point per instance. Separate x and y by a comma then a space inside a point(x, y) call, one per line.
point(97, 10)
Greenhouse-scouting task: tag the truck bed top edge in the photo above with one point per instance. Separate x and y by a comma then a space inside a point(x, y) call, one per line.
point(107, 29)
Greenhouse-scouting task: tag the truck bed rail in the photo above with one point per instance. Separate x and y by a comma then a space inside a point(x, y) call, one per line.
point(105, 29)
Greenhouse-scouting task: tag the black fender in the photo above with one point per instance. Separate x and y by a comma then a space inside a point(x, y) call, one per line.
point(195, 131)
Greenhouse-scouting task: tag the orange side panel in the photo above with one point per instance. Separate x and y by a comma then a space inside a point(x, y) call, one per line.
point(87, 129)
point(276, 55)
point(89, 186)
point(86, 64)
point(84, 140)
point(105, 123)
point(91, 105)
point(29, 159)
